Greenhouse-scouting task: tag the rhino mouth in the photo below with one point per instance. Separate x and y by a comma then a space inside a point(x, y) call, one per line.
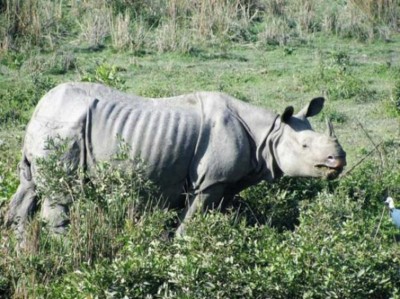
point(329, 172)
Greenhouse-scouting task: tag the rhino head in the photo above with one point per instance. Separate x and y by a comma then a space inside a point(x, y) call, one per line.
point(301, 151)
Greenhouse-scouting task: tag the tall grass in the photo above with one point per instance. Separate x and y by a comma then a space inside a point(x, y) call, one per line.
point(32, 22)
point(184, 25)
point(363, 20)
point(95, 27)
point(121, 34)
point(42, 22)
point(380, 11)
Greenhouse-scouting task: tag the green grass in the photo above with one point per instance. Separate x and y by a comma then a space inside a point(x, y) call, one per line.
point(296, 238)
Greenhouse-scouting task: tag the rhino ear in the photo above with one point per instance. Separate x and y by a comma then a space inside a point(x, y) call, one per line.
point(287, 114)
point(313, 108)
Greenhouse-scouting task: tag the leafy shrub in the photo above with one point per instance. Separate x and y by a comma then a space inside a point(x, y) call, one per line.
point(331, 254)
point(374, 179)
point(341, 258)
point(277, 204)
point(334, 247)
point(13, 59)
point(100, 214)
point(106, 74)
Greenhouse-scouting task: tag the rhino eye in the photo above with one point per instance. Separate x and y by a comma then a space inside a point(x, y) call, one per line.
point(305, 145)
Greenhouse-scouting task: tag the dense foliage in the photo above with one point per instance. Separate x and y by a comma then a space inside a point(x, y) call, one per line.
point(337, 247)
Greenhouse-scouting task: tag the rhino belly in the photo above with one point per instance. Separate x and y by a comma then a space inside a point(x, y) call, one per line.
point(163, 138)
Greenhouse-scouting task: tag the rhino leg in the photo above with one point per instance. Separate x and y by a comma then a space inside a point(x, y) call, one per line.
point(24, 202)
point(206, 200)
point(55, 207)
point(55, 214)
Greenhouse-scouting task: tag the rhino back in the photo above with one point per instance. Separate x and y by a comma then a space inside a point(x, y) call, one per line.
point(163, 136)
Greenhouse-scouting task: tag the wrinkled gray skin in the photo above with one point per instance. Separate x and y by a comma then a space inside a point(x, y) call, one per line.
point(208, 145)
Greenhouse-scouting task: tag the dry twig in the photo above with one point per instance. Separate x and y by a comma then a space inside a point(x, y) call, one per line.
point(362, 160)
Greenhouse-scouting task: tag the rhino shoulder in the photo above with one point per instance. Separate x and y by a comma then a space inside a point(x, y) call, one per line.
point(214, 98)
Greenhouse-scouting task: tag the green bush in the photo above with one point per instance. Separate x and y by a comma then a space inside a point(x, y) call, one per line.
point(100, 215)
point(106, 74)
point(277, 204)
point(307, 239)
point(331, 254)
point(13, 59)
point(371, 183)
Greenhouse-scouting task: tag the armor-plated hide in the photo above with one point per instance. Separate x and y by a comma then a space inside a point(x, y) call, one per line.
point(209, 145)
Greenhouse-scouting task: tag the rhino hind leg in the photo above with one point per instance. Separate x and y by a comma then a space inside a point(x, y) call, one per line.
point(23, 203)
point(55, 207)
point(55, 215)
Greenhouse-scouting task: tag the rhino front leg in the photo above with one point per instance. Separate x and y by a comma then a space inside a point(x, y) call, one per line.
point(206, 200)
point(23, 204)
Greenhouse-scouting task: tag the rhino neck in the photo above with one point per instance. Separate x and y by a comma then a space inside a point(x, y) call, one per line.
point(268, 162)
point(263, 128)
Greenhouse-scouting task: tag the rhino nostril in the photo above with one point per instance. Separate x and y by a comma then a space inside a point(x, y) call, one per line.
point(336, 161)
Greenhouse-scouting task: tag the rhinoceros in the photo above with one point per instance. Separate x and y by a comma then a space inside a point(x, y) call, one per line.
point(206, 144)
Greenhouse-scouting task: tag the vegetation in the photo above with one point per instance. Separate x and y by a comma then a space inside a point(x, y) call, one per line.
point(186, 25)
point(297, 238)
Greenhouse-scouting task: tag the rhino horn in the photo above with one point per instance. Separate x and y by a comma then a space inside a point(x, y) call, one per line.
point(329, 131)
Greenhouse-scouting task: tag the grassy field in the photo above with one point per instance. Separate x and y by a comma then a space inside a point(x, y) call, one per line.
point(297, 238)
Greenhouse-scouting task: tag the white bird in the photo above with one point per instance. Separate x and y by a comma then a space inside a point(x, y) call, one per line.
point(394, 213)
